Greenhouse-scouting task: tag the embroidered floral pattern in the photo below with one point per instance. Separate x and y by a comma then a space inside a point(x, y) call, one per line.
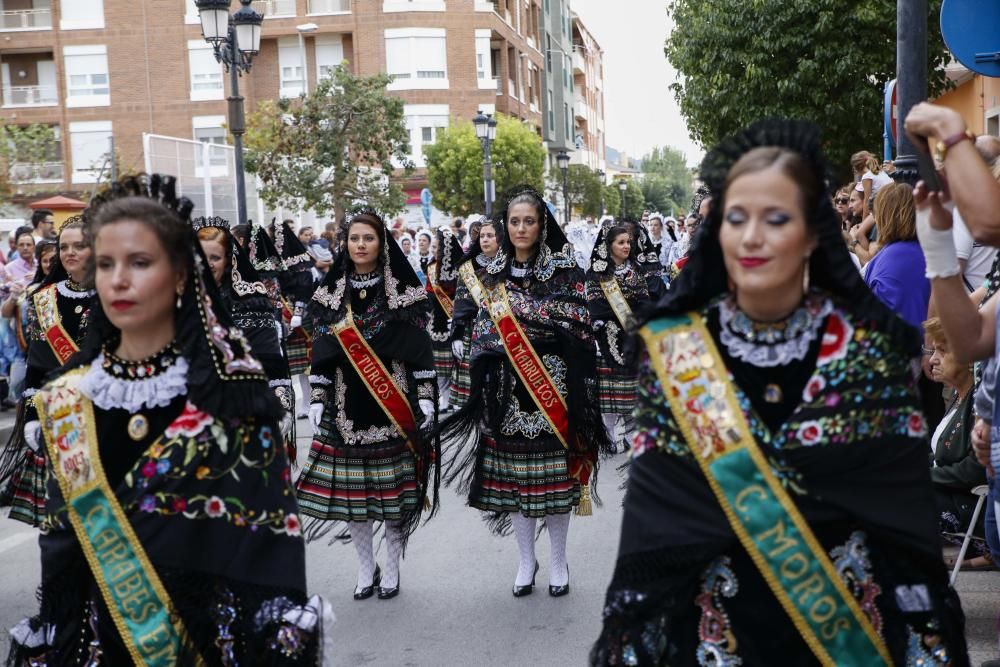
point(853, 564)
point(189, 423)
point(369, 436)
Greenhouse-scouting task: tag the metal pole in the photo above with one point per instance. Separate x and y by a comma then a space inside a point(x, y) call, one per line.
point(237, 125)
point(487, 176)
point(911, 77)
point(114, 163)
point(565, 172)
point(302, 56)
point(621, 214)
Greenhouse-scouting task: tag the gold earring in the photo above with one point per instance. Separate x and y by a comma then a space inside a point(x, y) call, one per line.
point(180, 294)
point(805, 278)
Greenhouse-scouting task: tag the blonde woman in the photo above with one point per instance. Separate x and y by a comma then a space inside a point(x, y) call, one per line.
point(869, 176)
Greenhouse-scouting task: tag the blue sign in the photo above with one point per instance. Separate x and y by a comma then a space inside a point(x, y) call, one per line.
point(426, 211)
point(889, 119)
point(426, 197)
point(969, 28)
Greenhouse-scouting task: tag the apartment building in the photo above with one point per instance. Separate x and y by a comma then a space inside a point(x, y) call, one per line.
point(94, 69)
point(558, 126)
point(588, 99)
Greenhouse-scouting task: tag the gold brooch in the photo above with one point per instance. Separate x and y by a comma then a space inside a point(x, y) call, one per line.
point(138, 427)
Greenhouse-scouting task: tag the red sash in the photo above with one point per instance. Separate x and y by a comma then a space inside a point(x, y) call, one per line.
point(533, 374)
point(442, 297)
point(376, 378)
point(47, 310)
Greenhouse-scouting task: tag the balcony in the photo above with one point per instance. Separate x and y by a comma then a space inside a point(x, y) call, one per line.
point(42, 172)
point(26, 19)
point(579, 63)
point(30, 96)
point(329, 7)
point(274, 8)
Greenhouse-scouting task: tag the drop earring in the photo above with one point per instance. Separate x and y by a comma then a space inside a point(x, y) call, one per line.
point(805, 279)
point(180, 294)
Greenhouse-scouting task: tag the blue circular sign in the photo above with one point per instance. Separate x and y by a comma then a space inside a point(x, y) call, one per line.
point(425, 197)
point(969, 28)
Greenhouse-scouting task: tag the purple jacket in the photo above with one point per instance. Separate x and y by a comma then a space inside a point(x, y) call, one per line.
point(896, 276)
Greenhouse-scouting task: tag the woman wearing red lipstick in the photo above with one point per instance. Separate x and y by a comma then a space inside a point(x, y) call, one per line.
point(372, 408)
point(172, 535)
point(617, 284)
point(56, 321)
point(778, 508)
point(532, 414)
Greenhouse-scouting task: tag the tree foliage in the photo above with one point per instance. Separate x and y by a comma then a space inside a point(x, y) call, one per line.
point(822, 60)
point(332, 147)
point(28, 147)
point(455, 164)
point(667, 180)
point(584, 188)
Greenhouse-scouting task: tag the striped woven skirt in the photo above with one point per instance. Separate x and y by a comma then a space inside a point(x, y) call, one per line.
point(299, 350)
point(461, 383)
point(371, 483)
point(616, 391)
point(531, 478)
point(28, 485)
point(444, 361)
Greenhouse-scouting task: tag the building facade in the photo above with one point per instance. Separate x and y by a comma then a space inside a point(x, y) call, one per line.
point(588, 99)
point(97, 69)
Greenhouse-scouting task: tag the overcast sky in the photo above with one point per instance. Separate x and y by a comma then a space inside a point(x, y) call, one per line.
point(640, 109)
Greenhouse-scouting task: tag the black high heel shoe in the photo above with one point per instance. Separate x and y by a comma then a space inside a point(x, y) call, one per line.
point(521, 591)
point(368, 591)
point(559, 591)
point(389, 593)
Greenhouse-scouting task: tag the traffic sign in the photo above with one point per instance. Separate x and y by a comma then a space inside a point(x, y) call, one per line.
point(969, 28)
point(890, 112)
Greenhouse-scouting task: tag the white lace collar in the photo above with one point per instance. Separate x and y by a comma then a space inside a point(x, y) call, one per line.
point(65, 290)
point(764, 350)
point(154, 391)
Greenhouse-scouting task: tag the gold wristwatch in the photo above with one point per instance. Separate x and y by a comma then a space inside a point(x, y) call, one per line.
point(941, 147)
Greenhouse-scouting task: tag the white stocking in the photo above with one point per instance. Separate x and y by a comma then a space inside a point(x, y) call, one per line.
point(558, 525)
point(361, 537)
point(610, 423)
point(305, 393)
point(444, 391)
point(394, 546)
point(524, 531)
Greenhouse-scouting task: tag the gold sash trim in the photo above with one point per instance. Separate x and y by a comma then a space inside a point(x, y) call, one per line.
point(471, 280)
point(442, 297)
point(47, 310)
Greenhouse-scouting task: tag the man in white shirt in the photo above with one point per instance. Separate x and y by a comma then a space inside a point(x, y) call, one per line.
point(974, 257)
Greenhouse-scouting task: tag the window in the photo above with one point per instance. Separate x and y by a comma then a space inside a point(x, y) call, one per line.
point(416, 58)
point(566, 118)
point(81, 14)
point(550, 130)
point(290, 66)
point(211, 130)
point(329, 54)
point(423, 122)
point(548, 53)
point(484, 60)
point(389, 6)
point(87, 76)
point(90, 145)
point(206, 72)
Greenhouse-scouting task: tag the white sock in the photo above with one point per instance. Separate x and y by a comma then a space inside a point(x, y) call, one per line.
point(610, 425)
point(524, 531)
point(444, 391)
point(394, 547)
point(361, 537)
point(302, 400)
point(558, 525)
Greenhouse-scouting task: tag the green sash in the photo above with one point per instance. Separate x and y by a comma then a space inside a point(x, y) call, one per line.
point(759, 510)
point(129, 584)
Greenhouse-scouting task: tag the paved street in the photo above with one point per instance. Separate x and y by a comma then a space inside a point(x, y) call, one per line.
point(455, 606)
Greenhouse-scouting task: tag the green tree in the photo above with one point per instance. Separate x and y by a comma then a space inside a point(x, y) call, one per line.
point(822, 60)
point(667, 180)
point(634, 201)
point(28, 147)
point(584, 187)
point(455, 164)
point(335, 146)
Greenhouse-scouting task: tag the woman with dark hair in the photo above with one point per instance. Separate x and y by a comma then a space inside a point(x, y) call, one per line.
point(532, 414)
point(246, 299)
point(483, 248)
point(172, 534)
point(778, 507)
point(373, 385)
point(442, 281)
point(617, 285)
point(297, 289)
point(56, 320)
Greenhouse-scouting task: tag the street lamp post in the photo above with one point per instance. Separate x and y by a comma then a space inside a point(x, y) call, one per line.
point(601, 175)
point(622, 187)
point(562, 159)
point(911, 79)
point(486, 131)
point(226, 34)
